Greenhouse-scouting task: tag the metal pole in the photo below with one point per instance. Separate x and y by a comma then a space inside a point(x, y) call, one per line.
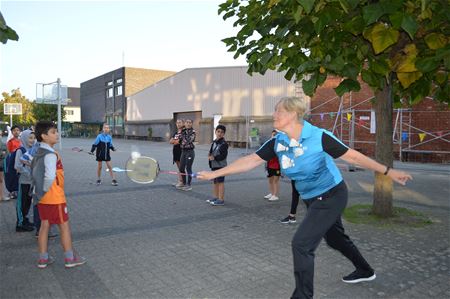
point(10, 120)
point(114, 106)
point(59, 112)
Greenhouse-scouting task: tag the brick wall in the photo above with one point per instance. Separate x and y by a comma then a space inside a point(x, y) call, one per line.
point(138, 79)
point(429, 117)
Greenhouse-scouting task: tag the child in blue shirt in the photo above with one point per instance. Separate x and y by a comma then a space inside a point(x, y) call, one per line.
point(103, 144)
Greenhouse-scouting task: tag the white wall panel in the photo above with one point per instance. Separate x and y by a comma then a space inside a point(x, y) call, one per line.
point(229, 91)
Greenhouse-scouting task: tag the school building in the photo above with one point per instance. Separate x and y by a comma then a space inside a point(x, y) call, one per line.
point(103, 98)
point(208, 95)
point(245, 104)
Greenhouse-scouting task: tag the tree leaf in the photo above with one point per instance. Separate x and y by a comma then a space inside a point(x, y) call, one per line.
point(407, 64)
point(379, 66)
point(409, 25)
point(307, 5)
point(406, 79)
point(370, 78)
point(381, 37)
point(309, 86)
point(427, 64)
point(346, 86)
point(355, 25)
point(298, 14)
point(396, 19)
point(435, 40)
point(345, 5)
point(372, 12)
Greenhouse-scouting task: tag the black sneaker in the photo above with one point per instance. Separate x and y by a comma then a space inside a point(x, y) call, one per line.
point(288, 219)
point(114, 183)
point(24, 228)
point(98, 182)
point(359, 276)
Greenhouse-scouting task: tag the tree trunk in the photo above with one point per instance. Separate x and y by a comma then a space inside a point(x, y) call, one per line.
point(382, 193)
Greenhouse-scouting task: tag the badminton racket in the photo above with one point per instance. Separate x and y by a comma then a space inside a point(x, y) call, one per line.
point(144, 170)
point(80, 150)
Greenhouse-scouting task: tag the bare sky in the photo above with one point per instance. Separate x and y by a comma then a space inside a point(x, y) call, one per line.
point(80, 40)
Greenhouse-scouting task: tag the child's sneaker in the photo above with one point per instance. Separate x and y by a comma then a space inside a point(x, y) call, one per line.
point(268, 196)
point(288, 219)
point(43, 263)
point(217, 202)
point(98, 182)
point(178, 185)
point(187, 188)
point(76, 261)
point(274, 198)
point(114, 183)
point(210, 200)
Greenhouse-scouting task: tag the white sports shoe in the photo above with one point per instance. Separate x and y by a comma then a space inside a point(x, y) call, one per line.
point(274, 198)
point(268, 196)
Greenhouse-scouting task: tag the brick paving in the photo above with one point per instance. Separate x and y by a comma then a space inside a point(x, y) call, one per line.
point(153, 241)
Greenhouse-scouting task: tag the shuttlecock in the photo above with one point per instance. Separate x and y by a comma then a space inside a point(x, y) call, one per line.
point(135, 155)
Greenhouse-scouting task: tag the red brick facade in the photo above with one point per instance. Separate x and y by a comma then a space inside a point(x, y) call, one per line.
point(429, 119)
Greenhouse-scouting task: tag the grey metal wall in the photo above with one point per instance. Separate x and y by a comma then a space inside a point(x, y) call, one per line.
point(229, 91)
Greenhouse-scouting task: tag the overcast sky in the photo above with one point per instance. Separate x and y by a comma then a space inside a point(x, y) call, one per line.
point(80, 40)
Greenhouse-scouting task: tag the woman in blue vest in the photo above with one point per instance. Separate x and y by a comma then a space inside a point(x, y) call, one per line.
point(306, 156)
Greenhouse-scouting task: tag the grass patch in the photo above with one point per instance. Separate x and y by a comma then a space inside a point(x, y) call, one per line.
point(362, 214)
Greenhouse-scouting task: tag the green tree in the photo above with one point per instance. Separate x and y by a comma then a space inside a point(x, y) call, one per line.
point(400, 48)
point(16, 96)
point(6, 32)
point(47, 112)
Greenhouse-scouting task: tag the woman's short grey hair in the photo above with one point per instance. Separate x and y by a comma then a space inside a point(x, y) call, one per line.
point(296, 104)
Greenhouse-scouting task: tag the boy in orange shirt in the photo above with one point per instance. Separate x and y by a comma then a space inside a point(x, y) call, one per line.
point(48, 181)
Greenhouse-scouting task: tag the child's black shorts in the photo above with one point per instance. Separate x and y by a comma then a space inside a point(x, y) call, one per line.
point(273, 172)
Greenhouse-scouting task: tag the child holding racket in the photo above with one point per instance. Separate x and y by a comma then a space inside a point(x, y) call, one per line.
point(48, 182)
point(218, 159)
point(103, 144)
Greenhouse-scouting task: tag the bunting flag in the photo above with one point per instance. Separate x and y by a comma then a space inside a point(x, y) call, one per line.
point(440, 133)
point(321, 116)
point(339, 112)
point(361, 122)
point(349, 116)
point(332, 114)
point(404, 136)
point(422, 136)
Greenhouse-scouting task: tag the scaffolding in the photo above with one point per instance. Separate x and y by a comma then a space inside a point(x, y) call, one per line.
point(350, 119)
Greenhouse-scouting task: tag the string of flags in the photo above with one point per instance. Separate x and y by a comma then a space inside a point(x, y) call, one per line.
point(362, 122)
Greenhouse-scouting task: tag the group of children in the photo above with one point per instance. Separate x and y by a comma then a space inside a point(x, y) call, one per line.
point(38, 170)
point(183, 156)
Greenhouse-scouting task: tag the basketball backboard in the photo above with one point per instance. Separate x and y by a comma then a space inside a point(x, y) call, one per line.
point(47, 93)
point(12, 108)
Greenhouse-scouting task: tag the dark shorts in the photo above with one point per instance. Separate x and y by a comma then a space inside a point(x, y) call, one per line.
point(273, 172)
point(176, 154)
point(102, 159)
point(55, 214)
point(220, 179)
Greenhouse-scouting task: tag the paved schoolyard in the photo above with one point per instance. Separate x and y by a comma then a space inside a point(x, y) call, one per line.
point(152, 241)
